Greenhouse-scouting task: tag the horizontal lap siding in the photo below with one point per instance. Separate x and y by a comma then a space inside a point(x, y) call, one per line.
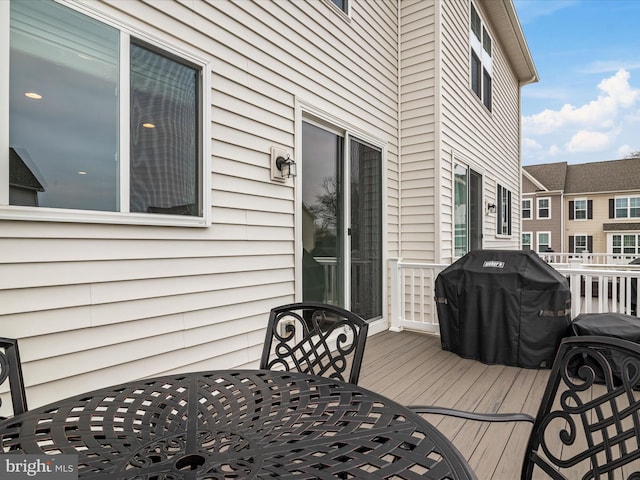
point(486, 141)
point(418, 129)
point(94, 305)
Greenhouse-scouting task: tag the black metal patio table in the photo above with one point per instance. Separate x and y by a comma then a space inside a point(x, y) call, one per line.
point(236, 424)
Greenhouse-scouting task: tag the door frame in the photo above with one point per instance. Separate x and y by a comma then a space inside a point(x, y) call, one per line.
point(307, 112)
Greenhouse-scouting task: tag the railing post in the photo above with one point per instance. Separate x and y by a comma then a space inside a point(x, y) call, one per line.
point(576, 281)
point(394, 324)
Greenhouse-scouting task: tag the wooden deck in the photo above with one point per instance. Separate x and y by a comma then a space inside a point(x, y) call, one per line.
point(412, 368)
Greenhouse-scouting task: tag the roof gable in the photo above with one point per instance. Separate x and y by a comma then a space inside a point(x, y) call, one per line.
point(551, 175)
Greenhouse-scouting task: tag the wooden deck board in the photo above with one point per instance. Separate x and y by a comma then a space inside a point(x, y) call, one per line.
point(411, 368)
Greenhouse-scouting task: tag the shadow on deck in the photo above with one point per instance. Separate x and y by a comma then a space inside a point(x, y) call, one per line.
point(412, 368)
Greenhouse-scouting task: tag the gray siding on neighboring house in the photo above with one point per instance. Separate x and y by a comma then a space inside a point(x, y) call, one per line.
point(95, 304)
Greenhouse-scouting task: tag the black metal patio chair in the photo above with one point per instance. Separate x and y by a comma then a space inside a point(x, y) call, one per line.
point(588, 423)
point(315, 338)
point(11, 370)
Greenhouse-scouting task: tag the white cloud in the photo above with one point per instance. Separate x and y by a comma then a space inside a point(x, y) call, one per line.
point(530, 144)
point(624, 150)
point(554, 150)
point(616, 95)
point(586, 141)
point(604, 128)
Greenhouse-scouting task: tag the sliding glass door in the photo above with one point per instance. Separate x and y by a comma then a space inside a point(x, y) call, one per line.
point(341, 220)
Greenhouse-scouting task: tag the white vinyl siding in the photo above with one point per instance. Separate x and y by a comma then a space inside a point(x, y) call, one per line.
point(97, 304)
point(488, 140)
point(418, 95)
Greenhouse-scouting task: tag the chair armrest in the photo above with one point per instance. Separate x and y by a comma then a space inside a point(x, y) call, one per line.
point(481, 417)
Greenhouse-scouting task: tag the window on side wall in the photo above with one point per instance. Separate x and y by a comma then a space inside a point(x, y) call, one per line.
point(580, 209)
point(119, 120)
point(526, 241)
point(624, 207)
point(526, 209)
point(481, 62)
point(342, 5)
point(544, 207)
point(504, 211)
point(544, 242)
point(580, 243)
point(626, 243)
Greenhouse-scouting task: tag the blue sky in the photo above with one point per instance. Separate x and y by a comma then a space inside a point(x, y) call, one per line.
point(586, 105)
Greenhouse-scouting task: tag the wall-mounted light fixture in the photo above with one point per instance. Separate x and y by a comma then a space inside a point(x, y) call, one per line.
point(282, 165)
point(491, 208)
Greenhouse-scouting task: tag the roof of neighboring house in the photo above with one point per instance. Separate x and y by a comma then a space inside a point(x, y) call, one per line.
point(551, 175)
point(609, 176)
point(20, 175)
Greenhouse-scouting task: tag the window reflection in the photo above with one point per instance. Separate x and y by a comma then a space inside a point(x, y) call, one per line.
point(63, 109)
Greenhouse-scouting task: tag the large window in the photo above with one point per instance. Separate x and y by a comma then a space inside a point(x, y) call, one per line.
point(626, 243)
point(504, 211)
point(100, 120)
point(625, 207)
point(481, 58)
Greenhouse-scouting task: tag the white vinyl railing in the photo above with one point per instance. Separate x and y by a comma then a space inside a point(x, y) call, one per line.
point(589, 258)
point(594, 289)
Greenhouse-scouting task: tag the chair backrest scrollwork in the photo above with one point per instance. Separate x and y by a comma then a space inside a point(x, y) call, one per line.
point(315, 338)
point(588, 423)
point(11, 370)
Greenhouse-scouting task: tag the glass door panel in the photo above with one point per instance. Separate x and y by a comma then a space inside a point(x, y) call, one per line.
point(365, 194)
point(322, 224)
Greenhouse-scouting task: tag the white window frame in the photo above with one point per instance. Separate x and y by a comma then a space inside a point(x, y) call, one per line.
point(16, 212)
point(504, 222)
point(530, 244)
point(538, 200)
point(585, 209)
point(346, 11)
point(621, 235)
point(538, 235)
point(529, 209)
point(585, 248)
point(628, 198)
point(485, 58)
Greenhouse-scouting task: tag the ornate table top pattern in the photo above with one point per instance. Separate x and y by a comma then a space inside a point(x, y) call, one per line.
point(236, 424)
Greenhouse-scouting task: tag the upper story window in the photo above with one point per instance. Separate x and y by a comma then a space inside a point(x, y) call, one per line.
point(100, 120)
point(481, 59)
point(624, 207)
point(342, 5)
point(526, 208)
point(544, 207)
point(504, 211)
point(581, 209)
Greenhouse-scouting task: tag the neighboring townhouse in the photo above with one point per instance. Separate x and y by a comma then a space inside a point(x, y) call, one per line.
point(599, 209)
point(148, 221)
point(542, 207)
